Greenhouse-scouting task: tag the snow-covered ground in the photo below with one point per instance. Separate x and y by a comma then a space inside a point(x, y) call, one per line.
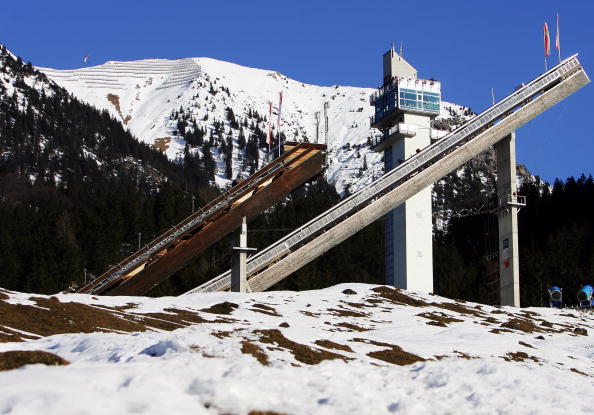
point(348, 349)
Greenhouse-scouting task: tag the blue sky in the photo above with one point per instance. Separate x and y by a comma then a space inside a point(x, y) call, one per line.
point(469, 46)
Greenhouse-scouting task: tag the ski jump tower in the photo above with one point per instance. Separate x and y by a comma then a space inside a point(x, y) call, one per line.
point(404, 108)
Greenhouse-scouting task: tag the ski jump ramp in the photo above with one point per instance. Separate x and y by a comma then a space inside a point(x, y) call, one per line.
point(343, 220)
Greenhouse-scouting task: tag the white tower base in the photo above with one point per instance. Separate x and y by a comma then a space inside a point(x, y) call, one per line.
point(409, 227)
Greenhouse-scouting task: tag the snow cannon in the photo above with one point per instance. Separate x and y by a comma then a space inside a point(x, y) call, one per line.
point(556, 297)
point(584, 296)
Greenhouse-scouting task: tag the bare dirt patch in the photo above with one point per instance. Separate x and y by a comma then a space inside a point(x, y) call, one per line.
point(348, 291)
point(526, 345)
point(284, 324)
point(439, 319)
point(522, 325)
point(328, 344)
point(265, 309)
point(393, 354)
point(54, 317)
point(300, 352)
point(356, 305)
point(51, 316)
point(221, 308)
point(264, 413)
point(255, 351)
point(15, 359)
point(459, 308)
point(115, 101)
point(519, 357)
point(352, 327)
point(573, 369)
point(347, 313)
point(162, 144)
point(396, 296)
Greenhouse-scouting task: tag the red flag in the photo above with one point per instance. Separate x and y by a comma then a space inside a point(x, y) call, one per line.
point(547, 40)
point(269, 137)
point(557, 40)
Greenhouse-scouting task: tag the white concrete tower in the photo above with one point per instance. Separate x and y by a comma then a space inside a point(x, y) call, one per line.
point(404, 107)
point(509, 205)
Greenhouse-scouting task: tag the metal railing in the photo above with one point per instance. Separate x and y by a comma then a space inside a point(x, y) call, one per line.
point(399, 174)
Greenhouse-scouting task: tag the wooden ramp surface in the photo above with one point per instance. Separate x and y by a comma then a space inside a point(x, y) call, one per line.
point(172, 250)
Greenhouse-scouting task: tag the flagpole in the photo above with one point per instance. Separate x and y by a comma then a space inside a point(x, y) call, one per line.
point(558, 40)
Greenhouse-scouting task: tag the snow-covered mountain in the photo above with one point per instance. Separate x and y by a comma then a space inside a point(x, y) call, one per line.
point(151, 97)
point(347, 349)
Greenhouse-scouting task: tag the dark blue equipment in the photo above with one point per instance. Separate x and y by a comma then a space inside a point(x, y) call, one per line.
point(556, 297)
point(584, 296)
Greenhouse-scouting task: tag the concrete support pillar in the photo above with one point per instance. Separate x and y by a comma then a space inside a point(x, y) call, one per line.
point(238, 271)
point(509, 271)
point(409, 227)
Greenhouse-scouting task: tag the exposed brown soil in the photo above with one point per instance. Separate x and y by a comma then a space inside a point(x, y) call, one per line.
point(15, 359)
point(162, 144)
point(352, 327)
point(7, 335)
point(301, 352)
point(491, 320)
point(125, 307)
point(437, 317)
point(519, 357)
point(581, 331)
point(284, 324)
point(115, 101)
point(182, 317)
point(526, 345)
point(463, 355)
point(356, 305)
point(347, 313)
point(573, 369)
point(56, 318)
point(522, 325)
point(51, 316)
point(499, 331)
point(348, 291)
point(222, 334)
point(221, 308)
point(458, 308)
point(255, 350)
point(396, 296)
point(3, 295)
point(328, 344)
point(394, 354)
point(267, 309)
point(436, 323)
point(264, 413)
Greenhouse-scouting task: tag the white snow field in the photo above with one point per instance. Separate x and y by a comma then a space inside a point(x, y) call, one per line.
point(143, 94)
point(348, 349)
